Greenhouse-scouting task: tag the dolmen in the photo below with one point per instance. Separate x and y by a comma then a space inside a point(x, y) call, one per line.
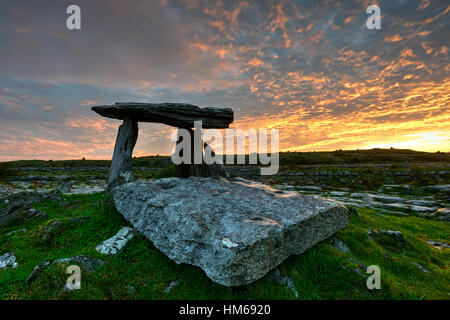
point(180, 115)
point(234, 229)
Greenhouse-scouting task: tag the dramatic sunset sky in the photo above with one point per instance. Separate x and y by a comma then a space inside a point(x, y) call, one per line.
point(308, 68)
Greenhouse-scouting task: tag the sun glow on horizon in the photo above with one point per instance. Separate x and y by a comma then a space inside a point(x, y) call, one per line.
point(424, 141)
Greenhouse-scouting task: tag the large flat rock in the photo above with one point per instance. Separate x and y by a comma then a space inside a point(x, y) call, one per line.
point(180, 115)
point(236, 231)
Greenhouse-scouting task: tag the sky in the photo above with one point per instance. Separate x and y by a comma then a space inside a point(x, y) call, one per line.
point(311, 69)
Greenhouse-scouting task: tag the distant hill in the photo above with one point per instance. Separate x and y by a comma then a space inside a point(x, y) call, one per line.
point(363, 157)
point(286, 159)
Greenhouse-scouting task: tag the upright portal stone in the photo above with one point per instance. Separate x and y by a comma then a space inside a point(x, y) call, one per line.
point(121, 164)
point(196, 167)
point(186, 150)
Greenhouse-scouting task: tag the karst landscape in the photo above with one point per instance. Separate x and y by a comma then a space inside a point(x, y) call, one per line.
point(224, 155)
point(57, 213)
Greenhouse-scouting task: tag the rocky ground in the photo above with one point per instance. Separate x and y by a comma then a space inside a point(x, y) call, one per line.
point(52, 216)
point(369, 186)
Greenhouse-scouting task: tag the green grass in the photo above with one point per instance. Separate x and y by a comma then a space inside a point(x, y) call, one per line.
point(142, 272)
point(165, 173)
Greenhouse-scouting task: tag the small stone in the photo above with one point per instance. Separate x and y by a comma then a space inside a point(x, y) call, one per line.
point(438, 244)
point(358, 272)
point(424, 203)
point(337, 194)
point(361, 265)
point(420, 267)
point(65, 187)
point(16, 231)
point(394, 234)
point(276, 276)
point(172, 285)
point(353, 211)
point(131, 289)
point(340, 245)
point(442, 187)
point(372, 233)
point(49, 228)
point(443, 211)
point(8, 260)
point(386, 199)
point(114, 245)
point(310, 188)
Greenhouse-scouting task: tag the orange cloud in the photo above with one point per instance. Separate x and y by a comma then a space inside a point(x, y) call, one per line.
point(394, 38)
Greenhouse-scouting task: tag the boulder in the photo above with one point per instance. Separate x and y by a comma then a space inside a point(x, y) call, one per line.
point(235, 230)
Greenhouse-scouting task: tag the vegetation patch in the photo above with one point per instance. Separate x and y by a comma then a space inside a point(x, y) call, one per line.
point(141, 271)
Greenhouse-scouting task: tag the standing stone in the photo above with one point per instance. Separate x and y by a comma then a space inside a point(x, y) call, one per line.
point(215, 169)
point(185, 170)
point(121, 164)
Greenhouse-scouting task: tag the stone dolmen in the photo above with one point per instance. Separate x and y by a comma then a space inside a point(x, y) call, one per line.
point(180, 115)
point(234, 229)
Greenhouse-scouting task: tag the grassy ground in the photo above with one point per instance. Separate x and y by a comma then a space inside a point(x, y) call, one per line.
point(338, 157)
point(143, 272)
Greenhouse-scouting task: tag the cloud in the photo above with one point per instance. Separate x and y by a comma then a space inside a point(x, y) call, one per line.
point(310, 68)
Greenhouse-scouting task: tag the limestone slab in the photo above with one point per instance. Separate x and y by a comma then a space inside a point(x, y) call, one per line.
point(236, 231)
